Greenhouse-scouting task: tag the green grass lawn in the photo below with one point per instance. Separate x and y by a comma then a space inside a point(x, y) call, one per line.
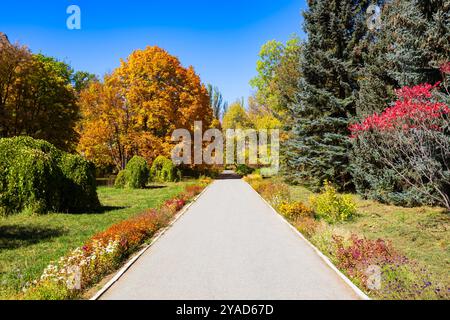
point(29, 243)
point(422, 234)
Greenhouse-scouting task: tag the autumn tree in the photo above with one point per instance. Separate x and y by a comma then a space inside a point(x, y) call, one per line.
point(136, 108)
point(82, 79)
point(36, 97)
point(236, 117)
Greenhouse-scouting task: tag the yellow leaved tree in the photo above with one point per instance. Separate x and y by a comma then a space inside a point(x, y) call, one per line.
point(135, 110)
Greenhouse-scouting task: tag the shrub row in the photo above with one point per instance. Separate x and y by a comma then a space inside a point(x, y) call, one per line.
point(37, 177)
point(329, 205)
point(375, 265)
point(136, 175)
point(104, 252)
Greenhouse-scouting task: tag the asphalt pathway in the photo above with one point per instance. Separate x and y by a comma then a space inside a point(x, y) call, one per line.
point(230, 245)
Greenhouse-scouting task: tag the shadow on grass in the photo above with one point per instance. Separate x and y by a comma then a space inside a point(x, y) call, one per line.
point(14, 236)
point(155, 187)
point(106, 209)
point(100, 210)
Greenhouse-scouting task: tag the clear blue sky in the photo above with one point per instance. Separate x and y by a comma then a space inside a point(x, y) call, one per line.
point(221, 39)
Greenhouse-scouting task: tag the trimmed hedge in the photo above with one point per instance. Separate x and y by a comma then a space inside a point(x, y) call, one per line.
point(163, 170)
point(37, 177)
point(135, 175)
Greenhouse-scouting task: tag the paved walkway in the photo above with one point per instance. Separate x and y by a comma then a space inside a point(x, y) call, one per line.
point(230, 245)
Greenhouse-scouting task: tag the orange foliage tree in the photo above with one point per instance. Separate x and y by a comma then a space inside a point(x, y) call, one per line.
point(135, 110)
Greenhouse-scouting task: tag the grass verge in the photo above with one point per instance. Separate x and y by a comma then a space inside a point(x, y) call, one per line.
point(422, 234)
point(29, 243)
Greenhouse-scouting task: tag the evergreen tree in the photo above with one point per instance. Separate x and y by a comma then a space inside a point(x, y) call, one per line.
point(408, 49)
point(326, 100)
point(218, 105)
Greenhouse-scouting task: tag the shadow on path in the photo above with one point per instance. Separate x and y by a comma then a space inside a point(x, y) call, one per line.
point(229, 175)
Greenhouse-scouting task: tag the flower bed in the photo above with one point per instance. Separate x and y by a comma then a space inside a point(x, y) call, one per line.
point(374, 265)
point(105, 251)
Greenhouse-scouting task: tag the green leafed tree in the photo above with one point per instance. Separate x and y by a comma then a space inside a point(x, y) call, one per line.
point(278, 71)
point(82, 79)
point(326, 94)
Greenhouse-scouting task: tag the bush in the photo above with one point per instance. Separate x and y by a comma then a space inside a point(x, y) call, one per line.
point(275, 193)
point(79, 184)
point(295, 210)
point(243, 170)
point(400, 277)
point(402, 156)
point(331, 206)
point(121, 180)
point(37, 177)
point(307, 226)
point(163, 170)
point(255, 180)
point(137, 173)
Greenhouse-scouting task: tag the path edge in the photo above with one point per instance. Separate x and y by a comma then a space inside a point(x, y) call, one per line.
point(330, 264)
point(136, 257)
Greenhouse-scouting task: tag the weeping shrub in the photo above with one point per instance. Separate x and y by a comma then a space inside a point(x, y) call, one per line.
point(79, 184)
point(163, 170)
point(137, 174)
point(37, 177)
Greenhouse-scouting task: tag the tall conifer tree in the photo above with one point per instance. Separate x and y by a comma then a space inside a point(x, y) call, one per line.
point(408, 49)
point(326, 99)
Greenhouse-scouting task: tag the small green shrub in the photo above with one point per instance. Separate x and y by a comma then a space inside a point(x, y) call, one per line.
point(243, 170)
point(48, 290)
point(163, 170)
point(137, 173)
point(121, 180)
point(331, 206)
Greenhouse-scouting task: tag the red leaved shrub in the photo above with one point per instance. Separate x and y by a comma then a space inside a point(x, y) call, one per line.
point(361, 253)
point(402, 156)
point(413, 108)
